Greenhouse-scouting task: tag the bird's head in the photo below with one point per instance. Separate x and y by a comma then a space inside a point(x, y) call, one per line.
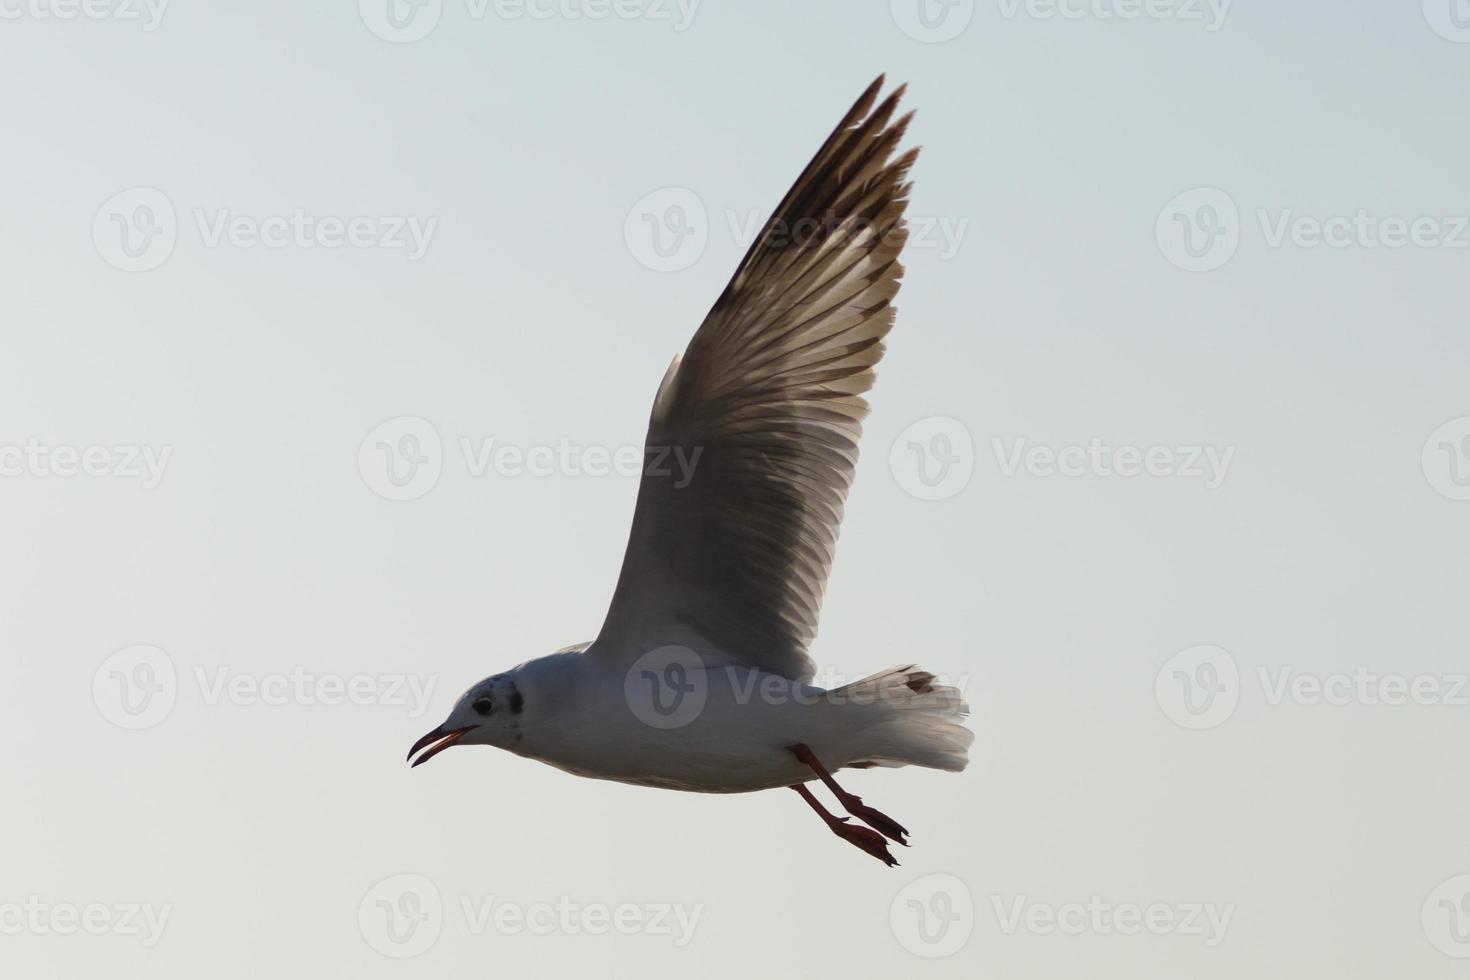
point(487, 714)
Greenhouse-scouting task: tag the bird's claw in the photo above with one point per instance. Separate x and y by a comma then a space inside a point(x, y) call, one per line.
point(876, 819)
point(868, 840)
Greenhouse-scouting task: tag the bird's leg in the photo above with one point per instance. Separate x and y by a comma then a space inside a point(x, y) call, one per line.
point(854, 805)
point(862, 837)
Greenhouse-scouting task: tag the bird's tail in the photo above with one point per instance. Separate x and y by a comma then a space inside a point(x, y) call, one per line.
point(916, 721)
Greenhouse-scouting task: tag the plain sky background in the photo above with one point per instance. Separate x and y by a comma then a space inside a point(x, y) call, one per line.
point(1332, 833)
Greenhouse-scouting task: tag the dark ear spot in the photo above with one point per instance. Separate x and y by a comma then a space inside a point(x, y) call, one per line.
point(517, 703)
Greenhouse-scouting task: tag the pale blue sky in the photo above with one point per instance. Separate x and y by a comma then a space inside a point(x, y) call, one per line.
point(1054, 144)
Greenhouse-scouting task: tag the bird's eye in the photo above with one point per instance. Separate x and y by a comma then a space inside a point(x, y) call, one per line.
point(483, 706)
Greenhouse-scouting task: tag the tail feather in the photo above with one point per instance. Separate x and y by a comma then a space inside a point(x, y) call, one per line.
point(916, 720)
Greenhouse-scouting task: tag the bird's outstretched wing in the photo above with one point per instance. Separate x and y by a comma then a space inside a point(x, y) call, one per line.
point(766, 404)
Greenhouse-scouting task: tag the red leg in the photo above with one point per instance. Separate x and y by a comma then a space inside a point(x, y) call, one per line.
point(862, 837)
point(854, 805)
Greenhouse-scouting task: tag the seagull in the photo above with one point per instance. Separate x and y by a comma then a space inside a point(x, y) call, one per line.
point(700, 679)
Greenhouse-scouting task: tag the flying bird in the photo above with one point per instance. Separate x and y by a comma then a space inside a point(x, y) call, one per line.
point(699, 679)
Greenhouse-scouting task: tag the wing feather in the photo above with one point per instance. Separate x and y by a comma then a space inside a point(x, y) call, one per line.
point(766, 403)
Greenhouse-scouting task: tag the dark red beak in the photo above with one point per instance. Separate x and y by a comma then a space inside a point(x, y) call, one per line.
point(438, 740)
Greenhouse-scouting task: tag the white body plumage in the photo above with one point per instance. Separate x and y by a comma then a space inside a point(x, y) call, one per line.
point(719, 729)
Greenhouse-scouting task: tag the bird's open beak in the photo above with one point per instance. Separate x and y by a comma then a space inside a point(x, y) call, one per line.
point(440, 739)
